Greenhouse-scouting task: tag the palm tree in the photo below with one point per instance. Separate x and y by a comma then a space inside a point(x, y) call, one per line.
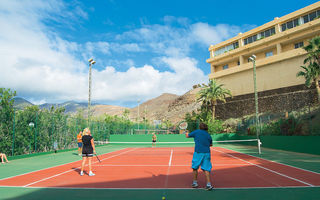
point(209, 94)
point(311, 70)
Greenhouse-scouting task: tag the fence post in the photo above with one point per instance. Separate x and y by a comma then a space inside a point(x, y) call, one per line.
point(13, 131)
point(52, 127)
point(35, 133)
point(310, 121)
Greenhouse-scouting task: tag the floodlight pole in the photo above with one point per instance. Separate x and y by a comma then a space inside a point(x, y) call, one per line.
point(138, 114)
point(91, 62)
point(253, 60)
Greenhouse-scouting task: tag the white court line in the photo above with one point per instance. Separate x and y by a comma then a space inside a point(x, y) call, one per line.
point(267, 169)
point(230, 188)
point(115, 165)
point(141, 165)
point(170, 157)
point(73, 169)
point(168, 172)
point(280, 163)
point(52, 167)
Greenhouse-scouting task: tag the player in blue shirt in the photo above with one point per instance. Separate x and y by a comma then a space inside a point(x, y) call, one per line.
point(201, 155)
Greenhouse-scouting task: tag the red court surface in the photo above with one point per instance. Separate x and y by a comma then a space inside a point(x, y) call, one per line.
point(157, 168)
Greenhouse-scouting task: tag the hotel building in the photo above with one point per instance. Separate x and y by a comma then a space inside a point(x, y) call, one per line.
point(277, 46)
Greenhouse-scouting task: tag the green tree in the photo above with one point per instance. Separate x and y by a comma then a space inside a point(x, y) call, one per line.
point(6, 119)
point(311, 67)
point(126, 113)
point(210, 94)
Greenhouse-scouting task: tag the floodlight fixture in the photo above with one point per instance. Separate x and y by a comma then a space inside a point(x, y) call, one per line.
point(252, 58)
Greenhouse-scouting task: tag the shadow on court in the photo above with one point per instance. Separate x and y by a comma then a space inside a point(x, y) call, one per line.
point(230, 175)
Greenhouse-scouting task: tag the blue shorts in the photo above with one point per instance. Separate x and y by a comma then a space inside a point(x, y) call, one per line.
point(203, 160)
point(79, 144)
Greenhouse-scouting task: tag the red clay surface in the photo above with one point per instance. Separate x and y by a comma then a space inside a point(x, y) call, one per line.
point(168, 168)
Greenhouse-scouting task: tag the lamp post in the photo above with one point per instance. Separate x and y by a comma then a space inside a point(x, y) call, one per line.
point(253, 60)
point(31, 125)
point(91, 62)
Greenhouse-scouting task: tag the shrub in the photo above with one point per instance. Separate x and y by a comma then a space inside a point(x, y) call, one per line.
point(215, 126)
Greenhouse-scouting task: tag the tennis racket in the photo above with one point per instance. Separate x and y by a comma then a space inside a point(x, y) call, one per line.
point(183, 126)
point(97, 158)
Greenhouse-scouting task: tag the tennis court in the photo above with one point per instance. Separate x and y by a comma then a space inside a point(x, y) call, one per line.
point(166, 170)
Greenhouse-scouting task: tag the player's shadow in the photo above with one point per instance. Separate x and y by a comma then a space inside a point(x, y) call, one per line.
point(78, 170)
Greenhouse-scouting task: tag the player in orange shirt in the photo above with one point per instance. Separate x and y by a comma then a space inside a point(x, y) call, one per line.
point(79, 139)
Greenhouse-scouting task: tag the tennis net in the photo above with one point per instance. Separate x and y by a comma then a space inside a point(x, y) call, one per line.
point(246, 146)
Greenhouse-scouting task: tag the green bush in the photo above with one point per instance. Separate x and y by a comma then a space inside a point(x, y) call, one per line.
point(215, 126)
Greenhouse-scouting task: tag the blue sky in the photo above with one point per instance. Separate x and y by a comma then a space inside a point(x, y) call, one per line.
point(142, 48)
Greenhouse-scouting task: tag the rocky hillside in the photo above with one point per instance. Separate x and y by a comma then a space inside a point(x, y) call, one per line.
point(167, 107)
point(99, 110)
point(153, 109)
point(164, 107)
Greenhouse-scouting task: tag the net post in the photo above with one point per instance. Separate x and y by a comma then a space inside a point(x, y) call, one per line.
point(259, 146)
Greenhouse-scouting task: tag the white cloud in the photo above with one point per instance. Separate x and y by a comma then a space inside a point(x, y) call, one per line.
point(146, 81)
point(207, 34)
point(38, 63)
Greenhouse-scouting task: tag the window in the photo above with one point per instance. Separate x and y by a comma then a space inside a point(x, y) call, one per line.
point(250, 39)
point(290, 24)
point(259, 36)
point(296, 22)
point(298, 45)
point(226, 67)
point(283, 27)
point(306, 19)
point(268, 54)
point(230, 47)
point(311, 16)
point(245, 41)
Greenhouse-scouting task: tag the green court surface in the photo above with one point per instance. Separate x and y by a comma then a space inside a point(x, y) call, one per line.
point(28, 164)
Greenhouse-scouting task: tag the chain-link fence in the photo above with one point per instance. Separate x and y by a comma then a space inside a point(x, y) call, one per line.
point(42, 131)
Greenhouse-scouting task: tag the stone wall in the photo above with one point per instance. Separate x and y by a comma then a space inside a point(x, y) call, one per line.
point(278, 100)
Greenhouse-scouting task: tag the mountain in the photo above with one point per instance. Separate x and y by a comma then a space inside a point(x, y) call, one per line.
point(70, 106)
point(153, 109)
point(99, 110)
point(167, 106)
point(21, 103)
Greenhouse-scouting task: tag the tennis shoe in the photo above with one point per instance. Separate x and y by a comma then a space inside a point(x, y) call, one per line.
point(209, 187)
point(194, 185)
point(91, 174)
point(81, 173)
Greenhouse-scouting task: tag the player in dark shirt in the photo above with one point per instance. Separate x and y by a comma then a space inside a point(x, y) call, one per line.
point(88, 149)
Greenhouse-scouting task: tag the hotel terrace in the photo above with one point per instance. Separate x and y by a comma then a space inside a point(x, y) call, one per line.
point(277, 46)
